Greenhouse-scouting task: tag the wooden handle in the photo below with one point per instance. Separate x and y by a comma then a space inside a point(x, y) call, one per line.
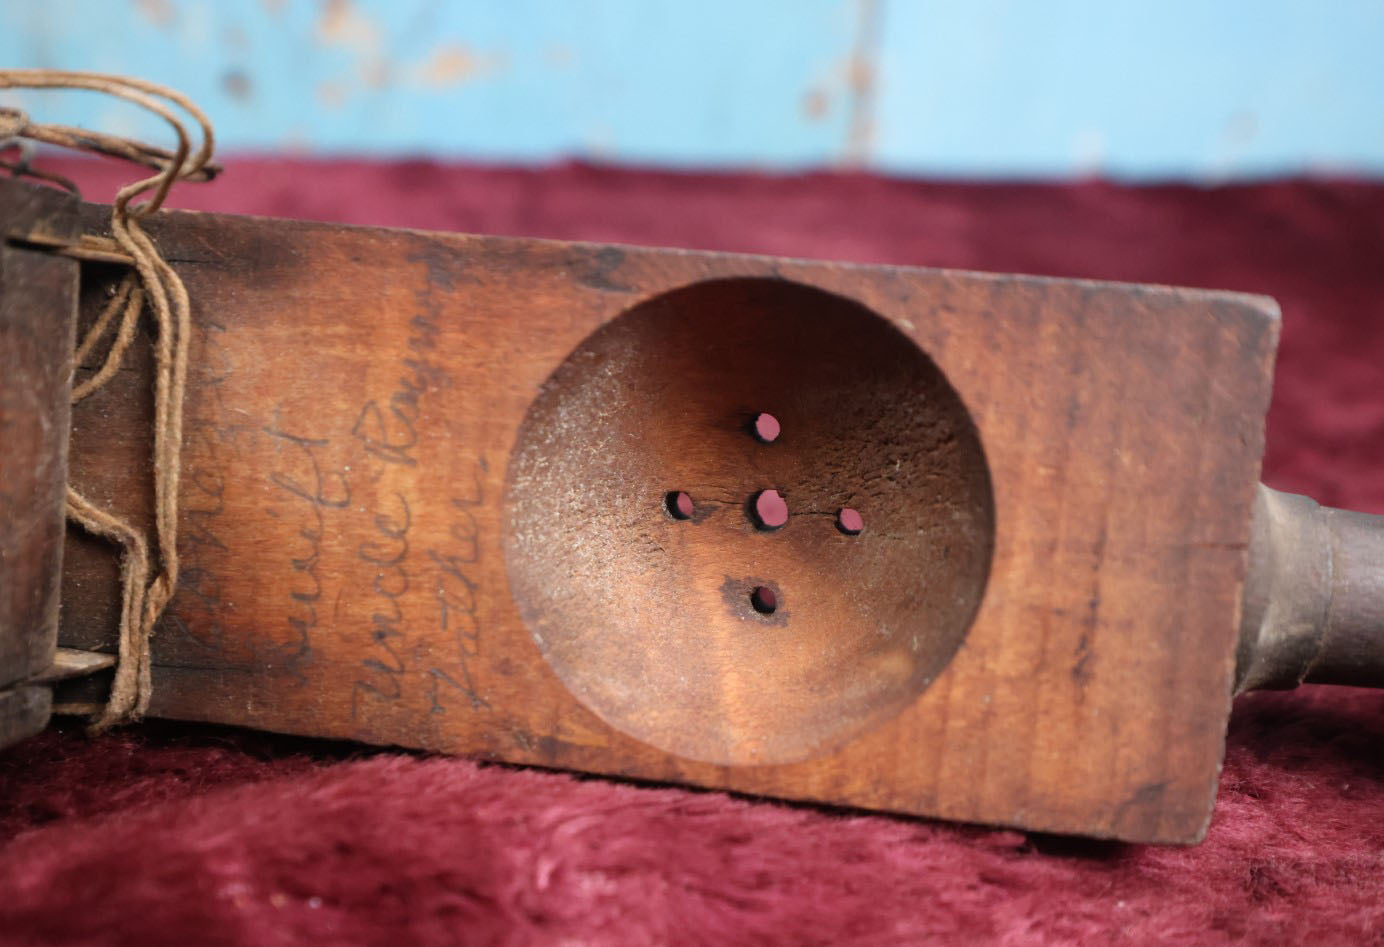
point(1314, 597)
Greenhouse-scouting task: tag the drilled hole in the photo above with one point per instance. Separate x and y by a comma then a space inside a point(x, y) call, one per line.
point(763, 599)
point(769, 510)
point(765, 428)
point(849, 521)
point(679, 505)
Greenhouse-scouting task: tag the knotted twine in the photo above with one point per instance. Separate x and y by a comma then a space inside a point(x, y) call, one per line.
point(149, 564)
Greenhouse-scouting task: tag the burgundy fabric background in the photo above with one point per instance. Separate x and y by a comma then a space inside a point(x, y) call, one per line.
point(172, 834)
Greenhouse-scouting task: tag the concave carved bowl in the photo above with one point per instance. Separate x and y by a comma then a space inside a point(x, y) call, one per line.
point(648, 619)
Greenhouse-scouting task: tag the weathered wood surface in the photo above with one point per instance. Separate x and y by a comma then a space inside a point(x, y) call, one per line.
point(406, 520)
point(24, 711)
point(38, 307)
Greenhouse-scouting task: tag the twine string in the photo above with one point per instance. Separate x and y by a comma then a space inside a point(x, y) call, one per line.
point(149, 564)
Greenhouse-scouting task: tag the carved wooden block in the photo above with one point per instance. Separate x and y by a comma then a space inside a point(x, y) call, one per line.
point(515, 499)
point(928, 542)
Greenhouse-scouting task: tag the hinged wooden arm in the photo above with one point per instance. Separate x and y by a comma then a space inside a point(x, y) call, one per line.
point(38, 310)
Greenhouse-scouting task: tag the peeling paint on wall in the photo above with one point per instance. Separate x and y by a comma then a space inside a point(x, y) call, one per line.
point(860, 80)
point(1003, 87)
point(453, 64)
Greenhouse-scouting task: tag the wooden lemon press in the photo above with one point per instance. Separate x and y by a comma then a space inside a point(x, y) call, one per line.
point(983, 547)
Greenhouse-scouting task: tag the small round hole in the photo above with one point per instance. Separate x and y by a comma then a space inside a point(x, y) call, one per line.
point(849, 521)
point(679, 505)
point(769, 509)
point(765, 428)
point(763, 599)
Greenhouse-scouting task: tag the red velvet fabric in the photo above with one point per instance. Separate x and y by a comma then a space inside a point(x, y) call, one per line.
point(177, 834)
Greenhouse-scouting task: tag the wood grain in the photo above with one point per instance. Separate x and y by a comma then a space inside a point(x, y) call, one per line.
point(652, 621)
point(1055, 478)
point(38, 306)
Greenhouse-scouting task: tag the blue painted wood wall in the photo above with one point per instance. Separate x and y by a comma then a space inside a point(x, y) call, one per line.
point(1202, 89)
